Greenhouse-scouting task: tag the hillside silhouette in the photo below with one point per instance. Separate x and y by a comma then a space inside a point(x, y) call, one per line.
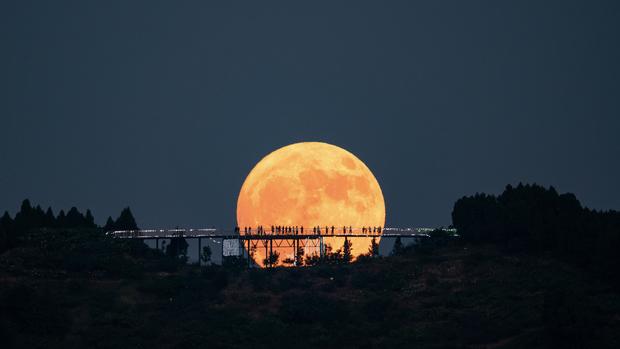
point(517, 276)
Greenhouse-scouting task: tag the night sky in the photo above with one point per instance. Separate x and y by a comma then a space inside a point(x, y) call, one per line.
point(166, 106)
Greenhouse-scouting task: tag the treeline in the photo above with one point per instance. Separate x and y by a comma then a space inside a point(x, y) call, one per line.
point(124, 222)
point(532, 218)
point(31, 218)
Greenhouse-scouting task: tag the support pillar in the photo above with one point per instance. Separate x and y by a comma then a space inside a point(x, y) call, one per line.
point(266, 249)
point(249, 255)
point(199, 251)
point(295, 243)
point(222, 249)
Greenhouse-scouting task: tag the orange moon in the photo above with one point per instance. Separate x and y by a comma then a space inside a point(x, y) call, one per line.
point(311, 184)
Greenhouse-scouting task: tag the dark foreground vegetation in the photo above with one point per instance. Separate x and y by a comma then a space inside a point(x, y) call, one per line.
point(76, 288)
point(85, 290)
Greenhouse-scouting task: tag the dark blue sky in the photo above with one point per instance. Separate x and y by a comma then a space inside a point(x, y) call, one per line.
point(166, 106)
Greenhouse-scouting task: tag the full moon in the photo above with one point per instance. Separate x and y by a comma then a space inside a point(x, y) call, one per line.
point(311, 184)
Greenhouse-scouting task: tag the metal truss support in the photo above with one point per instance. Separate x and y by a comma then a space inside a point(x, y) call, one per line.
point(199, 251)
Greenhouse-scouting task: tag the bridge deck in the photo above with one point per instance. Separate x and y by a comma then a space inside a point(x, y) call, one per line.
point(265, 235)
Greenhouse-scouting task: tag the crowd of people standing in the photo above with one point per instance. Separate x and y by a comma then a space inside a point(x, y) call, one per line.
point(299, 230)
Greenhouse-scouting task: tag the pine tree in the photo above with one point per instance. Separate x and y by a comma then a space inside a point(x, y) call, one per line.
point(38, 217)
point(109, 224)
point(5, 226)
point(6, 222)
point(373, 250)
point(89, 220)
point(50, 219)
point(61, 220)
point(23, 218)
point(126, 221)
point(26, 207)
point(74, 219)
point(347, 256)
point(3, 240)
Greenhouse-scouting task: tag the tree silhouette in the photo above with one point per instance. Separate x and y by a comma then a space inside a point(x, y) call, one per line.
point(299, 257)
point(335, 256)
point(347, 256)
point(50, 219)
point(3, 240)
point(125, 221)
point(74, 219)
point(398, 247)
point(26, 207)
point(205, 256)
point(177, 247)
point(373, 250)
point(312, 259)
point(109, 224)
point(89, 220)
point(61, 220)
point(288, 261)
point(38, 217)
point(23, 218)
point(272, 259)
point(6, 224)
